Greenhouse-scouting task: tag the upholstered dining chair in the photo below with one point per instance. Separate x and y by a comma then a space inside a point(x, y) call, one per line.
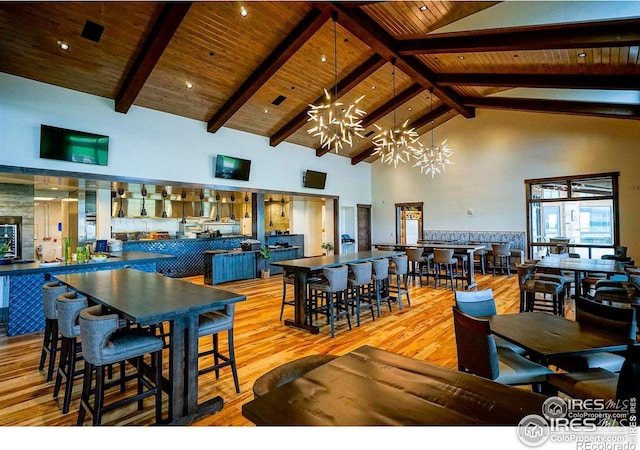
point(479, 355)
point(212, 324)
point(610, 318)
point(481, 303)
point(104, 343)
point(51, 339)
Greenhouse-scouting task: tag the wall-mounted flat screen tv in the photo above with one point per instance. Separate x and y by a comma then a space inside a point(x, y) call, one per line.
point(232, 168)
point(315, 180)
point(74, 146)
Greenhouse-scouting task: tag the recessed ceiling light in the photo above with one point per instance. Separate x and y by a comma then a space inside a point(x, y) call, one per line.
point(63, 45)
point(266, 111)
point(409, 108)
point(323, 59)
point(243, 11)
point(582, 55)
point(460, 57)
point(423, 8)
point(54, 188)
point(373, 88)
point(188, 84)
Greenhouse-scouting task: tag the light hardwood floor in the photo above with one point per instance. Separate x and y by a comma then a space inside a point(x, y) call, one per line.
point(423, 331)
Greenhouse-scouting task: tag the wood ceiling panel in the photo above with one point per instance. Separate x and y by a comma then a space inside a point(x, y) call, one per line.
point(218, 28)
point(95, 68)
point(302, 80)
point(623, 60)
point(405, 20)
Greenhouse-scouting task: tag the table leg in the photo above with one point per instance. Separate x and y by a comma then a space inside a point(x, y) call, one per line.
point(300, 288)
point(176, 370)
point(471, 282)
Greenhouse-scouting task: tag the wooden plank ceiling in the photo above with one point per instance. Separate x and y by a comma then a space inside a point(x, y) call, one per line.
point(146, 53)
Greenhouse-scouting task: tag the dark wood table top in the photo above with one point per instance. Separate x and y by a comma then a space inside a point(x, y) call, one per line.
point(148, 298)
point(582, 264)
point(547, 335)
point(466, 247)
point(320, 262)
point(370, 386)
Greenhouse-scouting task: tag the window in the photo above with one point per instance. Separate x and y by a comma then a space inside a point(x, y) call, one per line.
point(579, 210)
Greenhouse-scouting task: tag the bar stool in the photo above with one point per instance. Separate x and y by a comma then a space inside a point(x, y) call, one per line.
point(481, 257)
point(51, 339)
point(69, 305)
point(329, 295)
point(443, 260)
point(211, 324)
point(530, 287)
point(400, 271)
point(359, 284)
point(501, 258)
point(419, 263)
point(287, 279)
point(104, 343)
point(380, 280)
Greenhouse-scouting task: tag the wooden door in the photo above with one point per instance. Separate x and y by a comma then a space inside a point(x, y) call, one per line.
point(364, 228)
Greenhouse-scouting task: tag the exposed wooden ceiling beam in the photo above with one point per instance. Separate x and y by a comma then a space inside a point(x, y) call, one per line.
point(541, 81)
point(161, 34)
point(383, 110)
point(360, 25)
point(420, 122)
point(345, 85)
point(280, 55)
point(595, 109)
point(611, 33)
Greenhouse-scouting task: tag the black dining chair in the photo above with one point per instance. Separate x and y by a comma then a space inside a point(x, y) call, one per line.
point(605, 317)
point(479, 355)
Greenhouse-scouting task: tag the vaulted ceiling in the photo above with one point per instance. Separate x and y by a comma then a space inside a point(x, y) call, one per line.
point(260, 71)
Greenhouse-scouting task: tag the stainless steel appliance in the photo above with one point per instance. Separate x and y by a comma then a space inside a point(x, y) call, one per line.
point(10, 232)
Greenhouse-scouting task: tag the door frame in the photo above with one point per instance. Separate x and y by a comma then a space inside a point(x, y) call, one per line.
point(400, 208)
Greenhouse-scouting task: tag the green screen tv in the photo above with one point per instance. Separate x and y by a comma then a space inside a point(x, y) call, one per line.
point(75, 146)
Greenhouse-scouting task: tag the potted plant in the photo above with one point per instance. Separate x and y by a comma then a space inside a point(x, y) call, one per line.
point(264, 254)
point(327, 247)
point(4, 248)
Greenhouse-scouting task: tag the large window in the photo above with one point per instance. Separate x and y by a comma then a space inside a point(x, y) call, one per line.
point(579, 211)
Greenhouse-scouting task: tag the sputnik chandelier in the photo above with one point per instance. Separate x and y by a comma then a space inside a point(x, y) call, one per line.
point(396, 145)
point(335, 123)
point(433, 159)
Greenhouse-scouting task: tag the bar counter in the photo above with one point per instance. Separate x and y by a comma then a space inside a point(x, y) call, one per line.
point(26, 279)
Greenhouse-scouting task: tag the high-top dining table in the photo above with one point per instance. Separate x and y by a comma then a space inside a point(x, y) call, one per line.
point(149, 299)
point(470, 249)
point(304, 267)
point(580, 266)
point(372, 386)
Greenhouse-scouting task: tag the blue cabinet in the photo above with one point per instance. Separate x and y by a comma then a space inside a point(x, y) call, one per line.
point(220, 267)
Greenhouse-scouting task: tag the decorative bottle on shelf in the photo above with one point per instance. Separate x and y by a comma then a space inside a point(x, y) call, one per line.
point(67, 253)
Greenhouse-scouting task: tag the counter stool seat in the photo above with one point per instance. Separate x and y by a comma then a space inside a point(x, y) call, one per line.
point(329, 297)
point(501, 258)
point(380, 280)
point(51, 341)
point(443, 260)
point(399, 273)
point(359, 294)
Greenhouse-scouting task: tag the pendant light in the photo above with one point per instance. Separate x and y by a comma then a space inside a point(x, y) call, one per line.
point(270, 209)
point(335, 123)
point(143, 212)
point(120, 211)
point(233, 207)
point(246, 206)
point(282, 204)
point(217, 207)
point(396, 145)
point(184, 197)
point(164, 196)
point(436, 157)
point(201, 213)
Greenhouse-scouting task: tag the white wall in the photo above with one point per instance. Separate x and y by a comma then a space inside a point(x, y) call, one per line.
point(493, 154)
point(158, 146)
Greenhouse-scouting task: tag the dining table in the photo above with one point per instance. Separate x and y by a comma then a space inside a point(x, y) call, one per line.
point(545, 335)
point(373, 386)
point(145, 298)
point(303, 268)
point(470, 249)
point(580, 267)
